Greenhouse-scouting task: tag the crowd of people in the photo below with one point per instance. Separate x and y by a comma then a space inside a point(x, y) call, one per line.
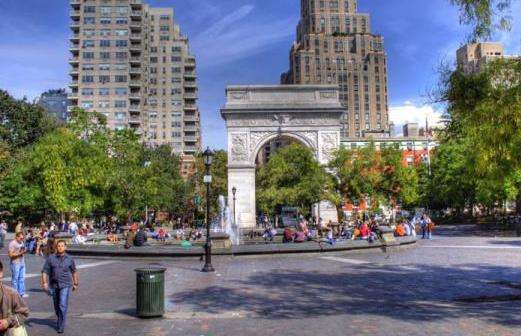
point(357, 229)
point(59, 276)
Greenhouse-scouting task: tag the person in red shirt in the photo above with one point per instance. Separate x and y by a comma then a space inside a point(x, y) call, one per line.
point(364, 231)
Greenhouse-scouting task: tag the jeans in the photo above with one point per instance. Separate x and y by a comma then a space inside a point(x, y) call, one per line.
point(60, 298)
point(18, 277)
point(2, 239)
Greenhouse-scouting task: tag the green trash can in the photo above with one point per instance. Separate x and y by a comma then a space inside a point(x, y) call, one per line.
point(150, 292)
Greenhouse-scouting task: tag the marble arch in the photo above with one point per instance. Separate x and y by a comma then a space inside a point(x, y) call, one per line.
point(254, 115)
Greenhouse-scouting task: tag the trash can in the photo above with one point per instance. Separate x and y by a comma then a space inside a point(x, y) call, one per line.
point(150, 292)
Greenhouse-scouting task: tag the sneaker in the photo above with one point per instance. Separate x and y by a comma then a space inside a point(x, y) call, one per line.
point(25, 296)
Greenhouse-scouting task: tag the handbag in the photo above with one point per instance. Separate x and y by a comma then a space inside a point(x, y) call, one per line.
point(17, 331)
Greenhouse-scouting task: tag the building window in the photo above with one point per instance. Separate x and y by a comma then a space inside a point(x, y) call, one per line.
point(164, 38)
point(121, 21)
point(104, 55)
point(121, 91)
point(87, 92)
point(120, 103)
point(87, 67)
point(89, 32)
point(89, 20)
point(104, 32)
point(121, 43)
point(104, 67)
point(104, 104)
point(121, 55)
point(104, 43)
point(121, 79)
point(121, 115)
point(121, 32)
point(105, 21)
point(103, 91)
point(164, 17)
point(122, 10)
point(121, 66)
point(105, 11)
point(87, 104)
point(87, 79)
point(104, 79)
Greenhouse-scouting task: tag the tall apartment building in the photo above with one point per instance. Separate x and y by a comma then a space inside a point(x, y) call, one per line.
point(473, 57)
point(130, 62)
point(335, 45)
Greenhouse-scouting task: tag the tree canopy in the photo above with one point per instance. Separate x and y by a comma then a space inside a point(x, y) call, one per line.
point(292, 177)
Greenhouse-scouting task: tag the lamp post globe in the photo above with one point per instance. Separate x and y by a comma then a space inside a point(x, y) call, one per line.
point(208, 158)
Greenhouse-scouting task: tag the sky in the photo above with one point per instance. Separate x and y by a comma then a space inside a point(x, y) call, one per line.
point(248, 42)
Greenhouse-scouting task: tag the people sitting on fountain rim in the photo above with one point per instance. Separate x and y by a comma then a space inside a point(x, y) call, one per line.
point(288, 235)
point(269, 234)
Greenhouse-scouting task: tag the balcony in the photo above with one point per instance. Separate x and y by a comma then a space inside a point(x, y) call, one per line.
point(74, 83)
point(191, 118)
point(72, 96)
point(134, 121)
point(75, 25)
point(135, 36)
point(190, 107)
point(134, 108)
point(75, 38)
point(75, 2)
point(74, 13)
point(135, 47)
point(190, 84)
point(190, 139)
point(191, 128)
point(134, 96)
point(134, 84)
point(190, 95)
point(74, 47)
point(74, 71)
point(191, 149)
point(135, 59)
point(136, 71)
point(136, 13)
point(74, 60)
point(190, 75)
point(135, 25)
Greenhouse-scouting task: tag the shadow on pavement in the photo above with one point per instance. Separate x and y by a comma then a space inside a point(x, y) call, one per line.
point(417, 293)
point(505, 242)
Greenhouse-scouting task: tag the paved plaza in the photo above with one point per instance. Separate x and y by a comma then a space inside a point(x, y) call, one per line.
point(457, 284)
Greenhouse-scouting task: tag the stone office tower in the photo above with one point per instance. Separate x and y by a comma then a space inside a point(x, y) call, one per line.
point(335, 45)
point(130, 62)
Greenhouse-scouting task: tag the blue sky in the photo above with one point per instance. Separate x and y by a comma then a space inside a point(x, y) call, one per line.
point(246, 42)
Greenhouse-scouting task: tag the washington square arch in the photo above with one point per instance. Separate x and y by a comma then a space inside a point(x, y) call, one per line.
point(258, 115)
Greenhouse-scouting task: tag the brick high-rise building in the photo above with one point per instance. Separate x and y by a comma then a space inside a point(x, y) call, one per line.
point(473, 57)
point(335, 45)
point(130, 62)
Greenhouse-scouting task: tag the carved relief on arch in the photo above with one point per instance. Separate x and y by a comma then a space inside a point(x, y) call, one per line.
point(330, 142)
point(239, 147)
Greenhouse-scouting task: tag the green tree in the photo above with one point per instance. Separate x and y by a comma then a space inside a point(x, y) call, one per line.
point(480, 14)
point(22, 123)
point(292, 177)
point(219, 186)
point(484, 110)
point(380, 175)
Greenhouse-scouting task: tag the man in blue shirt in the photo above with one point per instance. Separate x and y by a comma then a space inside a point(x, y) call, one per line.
point(59, 276)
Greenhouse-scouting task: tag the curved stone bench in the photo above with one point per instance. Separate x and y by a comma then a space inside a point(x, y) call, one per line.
point(169, 251)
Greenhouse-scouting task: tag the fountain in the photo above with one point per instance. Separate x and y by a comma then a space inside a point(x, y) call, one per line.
point(223, 225)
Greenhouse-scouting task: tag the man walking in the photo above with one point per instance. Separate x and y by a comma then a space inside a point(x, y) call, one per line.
point(16, 254)
point(59, 276)
point(13, 310)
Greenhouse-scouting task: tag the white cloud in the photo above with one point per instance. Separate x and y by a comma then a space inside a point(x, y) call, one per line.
point(409, 112)
point(234, 37)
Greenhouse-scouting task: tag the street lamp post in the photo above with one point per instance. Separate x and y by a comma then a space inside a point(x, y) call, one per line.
point(208, 156)
point(234, 191)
